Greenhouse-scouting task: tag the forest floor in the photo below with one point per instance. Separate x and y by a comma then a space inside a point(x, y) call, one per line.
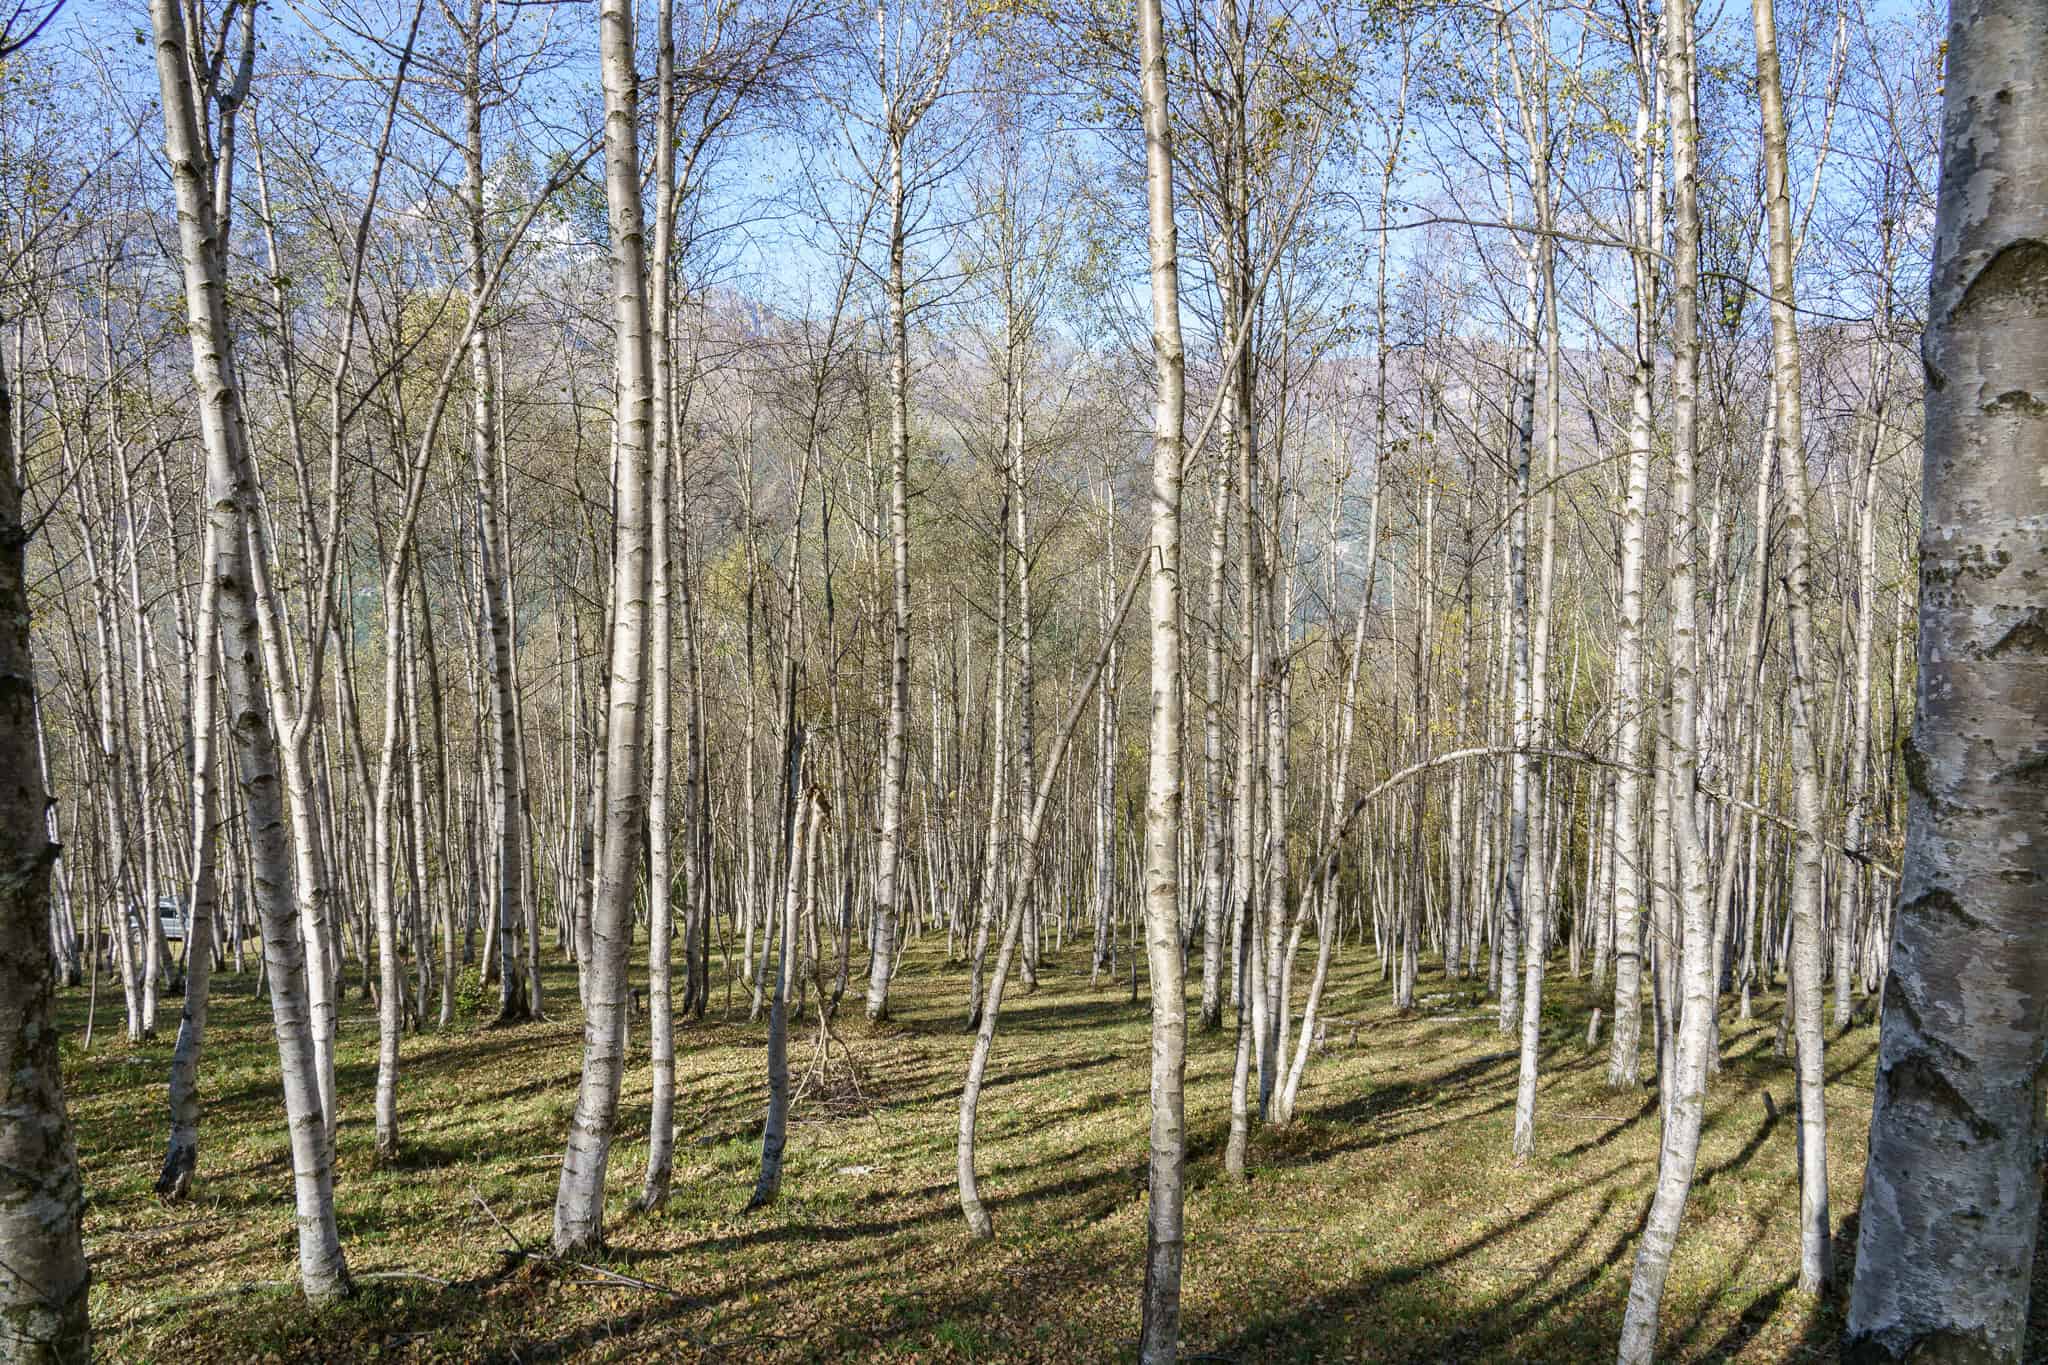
point(1387, 1223)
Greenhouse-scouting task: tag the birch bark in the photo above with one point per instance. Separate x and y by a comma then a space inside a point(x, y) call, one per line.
point(1159, 1341)
point(43, 1276)
point(1695, 977)
point(323, 1272)
point(1816, 1254)
point(579, 1200)
point(1951, 1193)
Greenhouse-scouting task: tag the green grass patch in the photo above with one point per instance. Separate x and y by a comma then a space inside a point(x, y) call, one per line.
point(1388, 1223)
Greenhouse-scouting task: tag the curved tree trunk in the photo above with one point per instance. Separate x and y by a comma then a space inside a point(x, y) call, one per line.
point(978, 1221)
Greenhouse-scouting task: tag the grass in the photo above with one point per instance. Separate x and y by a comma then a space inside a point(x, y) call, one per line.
point(1387, 1223)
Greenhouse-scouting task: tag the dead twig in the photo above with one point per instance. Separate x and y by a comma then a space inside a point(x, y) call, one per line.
point(491, 1214)
point(521, 1251)
point(404, 1275)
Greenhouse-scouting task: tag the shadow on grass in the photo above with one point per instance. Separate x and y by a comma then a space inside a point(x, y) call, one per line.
point(1532, 1266)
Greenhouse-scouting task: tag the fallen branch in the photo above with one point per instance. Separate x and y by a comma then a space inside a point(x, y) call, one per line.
point(521, 1251)
point(1324, 864)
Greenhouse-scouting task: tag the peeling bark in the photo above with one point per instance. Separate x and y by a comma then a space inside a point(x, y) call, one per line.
point(1952, 1191)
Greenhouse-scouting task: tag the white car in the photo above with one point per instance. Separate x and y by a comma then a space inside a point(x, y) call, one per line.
point(170, 912)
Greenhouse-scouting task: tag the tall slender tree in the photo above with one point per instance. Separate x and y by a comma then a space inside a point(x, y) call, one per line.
point(1159, 1342)
point(579, 1202)
point(911, 70)
point(1816, 1254)
point(201, 175)
point(1698, 969)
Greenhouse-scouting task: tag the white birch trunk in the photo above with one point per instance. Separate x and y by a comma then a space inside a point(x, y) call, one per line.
point(579, 1200)
point(1159, 1340)
point(1951, 1195)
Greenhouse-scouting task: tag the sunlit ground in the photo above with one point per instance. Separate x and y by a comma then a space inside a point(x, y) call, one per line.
point(1387, 1223)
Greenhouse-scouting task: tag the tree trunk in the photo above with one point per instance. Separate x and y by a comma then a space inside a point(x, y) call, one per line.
point(1851, 878)
point(231, 500)
point(491, 551)
point(43, 1276)
point(978, 1222)
point(1520, 785)
point(800, 829)
point(1159, 1340)
point(895, 759)
point(182, 1157)
point(1684, 1084)
point(1951, 1194)
point(1815, 1254)
point(661, 1017)
point(579, 1201)
point(1625, 1041)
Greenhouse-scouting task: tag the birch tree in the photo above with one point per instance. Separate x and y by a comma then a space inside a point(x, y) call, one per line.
point(1159, 1342)
point(1951, 1194)
point(196, 172)
point(1685, 1083)
point(43, 1273)
point(579, 1202)
point(910, 75)
point(661, 573)
point(1646, 203)
point(1816, 1247)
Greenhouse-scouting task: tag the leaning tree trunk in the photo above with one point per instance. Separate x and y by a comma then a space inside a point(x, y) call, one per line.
point(1951, 1195)
point(579, 1201)
point(1159, 1340)
point(979, 1223)
point(231, 506)
point(43, 1276)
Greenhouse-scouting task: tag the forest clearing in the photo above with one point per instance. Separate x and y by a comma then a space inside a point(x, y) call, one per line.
point(1380, 1226)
